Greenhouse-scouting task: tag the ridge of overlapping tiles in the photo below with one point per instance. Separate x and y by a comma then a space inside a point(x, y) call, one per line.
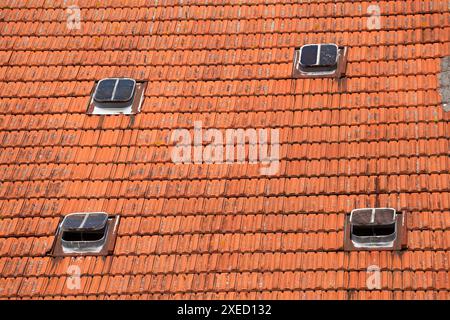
point(378, 137)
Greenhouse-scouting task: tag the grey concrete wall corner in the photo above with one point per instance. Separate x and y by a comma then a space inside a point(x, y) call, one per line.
point(444, 83)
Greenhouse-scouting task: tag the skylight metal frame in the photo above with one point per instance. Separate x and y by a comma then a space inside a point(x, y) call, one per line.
point(131, 107)
point(82, 246)
point(320, 72)
point(398, 242)
point(100, 247)
point(384, 241)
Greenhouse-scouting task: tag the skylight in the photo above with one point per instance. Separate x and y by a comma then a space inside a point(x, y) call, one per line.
point(114, 91)
point(117, 96)
point(320, 60)
point(375, 228)
point(81, 227)
point(85, 233)
point(319, 55)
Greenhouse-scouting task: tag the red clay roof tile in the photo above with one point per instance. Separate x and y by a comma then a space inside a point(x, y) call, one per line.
point(377, 137)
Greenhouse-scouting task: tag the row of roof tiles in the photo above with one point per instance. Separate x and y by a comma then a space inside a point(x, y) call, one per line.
point(69, 112)
point(198, 224)
point(339, 185)
point(379, 54)
point(231, 87)
point(294, 169)
point(207, 73)
point(224, 41)
point(154, 137)
point(224, 282)
point(307, 119)
point(217, 27)
point(211, 11)
point(224, 243)
point(294, 151)
point(216, 262)
point(316, 4)
point(267, 295)
point(325, 204)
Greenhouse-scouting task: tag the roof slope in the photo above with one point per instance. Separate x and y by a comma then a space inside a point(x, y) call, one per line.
point(378, 137)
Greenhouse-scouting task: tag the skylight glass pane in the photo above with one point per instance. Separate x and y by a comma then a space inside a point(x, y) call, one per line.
point(105, 90)
point(328, 55)
point(384, 216)
point(73, 221)
point(361, 216)
point(95, 221)
point(309, 55)
point(124, 90)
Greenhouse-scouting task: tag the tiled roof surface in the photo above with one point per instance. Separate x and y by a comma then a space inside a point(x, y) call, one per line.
point(378, 137)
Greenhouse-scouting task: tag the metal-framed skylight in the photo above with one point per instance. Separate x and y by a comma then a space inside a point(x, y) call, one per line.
point(112, 96)
point(114, 90)
point(320, 60)
point(375, 229)
point(91, 233)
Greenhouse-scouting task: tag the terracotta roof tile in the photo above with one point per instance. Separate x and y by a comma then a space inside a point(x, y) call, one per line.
point(203, 231)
